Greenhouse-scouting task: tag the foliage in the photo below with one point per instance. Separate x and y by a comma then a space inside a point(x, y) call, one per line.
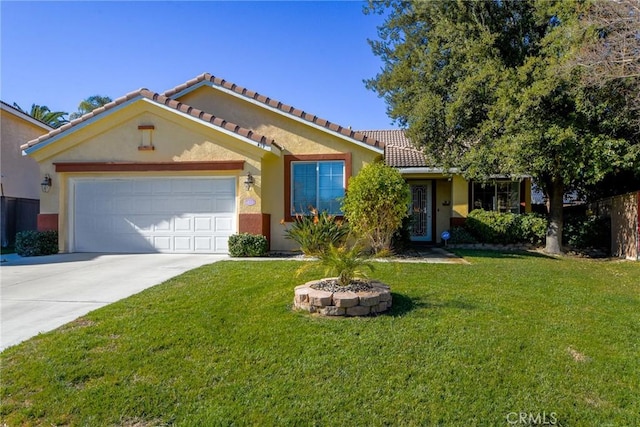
point(36, 243)
point(43, 114)
point(586, 232)
point(401, 239)
point(461, 235)
point(219, 345)
point(90, 104)
point(346, 263)
point(376, 203)
point(491, 87)
point(315, 233)
point(247, 245)
point(505, 228)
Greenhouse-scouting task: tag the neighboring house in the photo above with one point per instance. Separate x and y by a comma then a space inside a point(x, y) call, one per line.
point(20, 181)
point(183, 170)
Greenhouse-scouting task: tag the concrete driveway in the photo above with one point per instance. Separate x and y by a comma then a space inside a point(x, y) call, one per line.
point(39, 294)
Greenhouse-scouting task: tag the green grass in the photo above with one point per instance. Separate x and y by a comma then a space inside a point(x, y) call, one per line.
point(464, 345)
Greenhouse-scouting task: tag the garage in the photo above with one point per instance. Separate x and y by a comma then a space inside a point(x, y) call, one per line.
point(142, 215)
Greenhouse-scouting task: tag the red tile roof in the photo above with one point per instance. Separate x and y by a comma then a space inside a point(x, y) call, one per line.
point(287, 109)
point(164, 100)
point(399, 152)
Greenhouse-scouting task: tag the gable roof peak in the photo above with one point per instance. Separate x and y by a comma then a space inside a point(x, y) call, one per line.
point(240, 91)
point(166, 101)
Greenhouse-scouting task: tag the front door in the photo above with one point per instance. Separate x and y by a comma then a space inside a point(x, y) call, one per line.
point(421, 211)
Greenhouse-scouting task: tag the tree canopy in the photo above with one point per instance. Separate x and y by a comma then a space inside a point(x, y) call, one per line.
point(493, 87)
point(90, 104)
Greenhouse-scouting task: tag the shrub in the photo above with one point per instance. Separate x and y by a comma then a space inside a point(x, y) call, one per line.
point(375, 204)
point(505, 228)
point(586, 232)
point(316, 232)
point(36, 243)
point(461, 235)
point(247, 245)
point(346, 263)
point(532, 228)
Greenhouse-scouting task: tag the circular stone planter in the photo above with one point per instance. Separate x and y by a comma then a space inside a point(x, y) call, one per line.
point(373, 301)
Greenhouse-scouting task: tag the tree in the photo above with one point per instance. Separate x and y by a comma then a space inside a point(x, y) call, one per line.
point(611, 55)
point(375, 204)
point(90, 104)
point(42, 113)
point(489, 87)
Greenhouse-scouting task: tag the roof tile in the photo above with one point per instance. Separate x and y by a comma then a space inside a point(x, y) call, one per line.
point(217, 81)
point(160, 99)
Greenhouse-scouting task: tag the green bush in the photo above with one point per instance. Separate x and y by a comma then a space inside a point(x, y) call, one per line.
point(247, 245)
point(315, 233)
point(586, 232)
point(531, 228)
point(506, 228)
point(36, 243)
point(461, 235)
point(375, 205)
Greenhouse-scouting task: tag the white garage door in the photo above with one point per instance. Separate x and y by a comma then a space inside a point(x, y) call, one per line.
point(154, 215)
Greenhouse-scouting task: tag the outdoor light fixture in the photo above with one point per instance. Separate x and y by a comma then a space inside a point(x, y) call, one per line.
point(46, 184)
point(249, 181)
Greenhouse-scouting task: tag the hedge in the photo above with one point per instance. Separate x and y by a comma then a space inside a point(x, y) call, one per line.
point(36, 243)
point(506, 228)
point(248, 245)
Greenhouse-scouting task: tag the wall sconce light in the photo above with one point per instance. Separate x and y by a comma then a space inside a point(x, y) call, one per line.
point(46, 184)
point(248, 182)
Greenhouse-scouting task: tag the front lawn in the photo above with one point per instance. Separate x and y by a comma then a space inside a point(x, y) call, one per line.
point(556, 340)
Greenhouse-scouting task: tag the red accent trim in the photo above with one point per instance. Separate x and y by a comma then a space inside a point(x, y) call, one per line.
point(288, 158)
point(146, 167)
point(146, 127)
point(457, 222)
point(258, 223)
point(146, 148)
point(47, 222)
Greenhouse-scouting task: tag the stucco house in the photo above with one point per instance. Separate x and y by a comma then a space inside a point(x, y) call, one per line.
point(20, 181)
point(183, 170)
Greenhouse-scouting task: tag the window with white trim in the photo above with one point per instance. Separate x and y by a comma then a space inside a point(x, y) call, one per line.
point(501, 196)
point(317, 184)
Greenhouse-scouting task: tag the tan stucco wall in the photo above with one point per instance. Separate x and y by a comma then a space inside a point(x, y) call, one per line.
point(443, 207)
point(294, 137)
point(460, 197)
point(116, 139)
point(20, 174)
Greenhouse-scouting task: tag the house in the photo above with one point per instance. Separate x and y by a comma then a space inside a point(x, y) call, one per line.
point(182, 170)
point(20, 181)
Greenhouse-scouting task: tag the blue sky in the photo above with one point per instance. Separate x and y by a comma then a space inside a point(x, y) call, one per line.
point(312, 55)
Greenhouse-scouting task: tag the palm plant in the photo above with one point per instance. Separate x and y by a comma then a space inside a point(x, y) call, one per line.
point(314, 233)
point(347, 263)
point(43, 114)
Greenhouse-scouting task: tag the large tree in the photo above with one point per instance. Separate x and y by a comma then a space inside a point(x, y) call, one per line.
point(488, 86)
point(45, 115)
point(90, 104)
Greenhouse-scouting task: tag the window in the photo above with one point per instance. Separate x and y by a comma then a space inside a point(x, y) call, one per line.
point(501, 196)
point(317, 184)
point(315, 180)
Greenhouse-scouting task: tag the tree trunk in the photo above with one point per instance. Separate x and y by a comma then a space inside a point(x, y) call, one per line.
point(555, 193)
